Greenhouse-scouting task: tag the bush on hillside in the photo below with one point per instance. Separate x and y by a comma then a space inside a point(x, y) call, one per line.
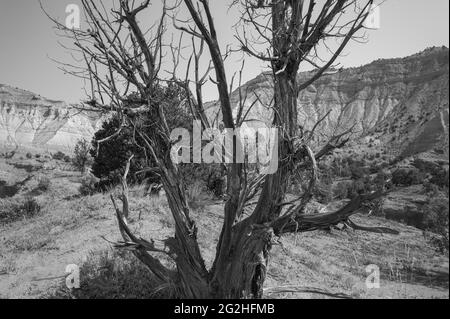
point(436, 214)
point(115, 274)
point(439, 174)
point(88, 185)
point(12, 210)
point(81, 156)
point(341, 190)
point(110, 157)
point(43, 184)
point(358, 170)
point(407, 177)
point(324, 190)
point(59, 156)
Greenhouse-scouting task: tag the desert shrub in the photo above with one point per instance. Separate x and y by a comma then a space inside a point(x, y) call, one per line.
point(348, 167)
point(34, 239)
point(440, 178)
point(29, 155)
point(439, 174)
point(88, 185)
point(382, 181)
point(37, 156)
point(430, 188)
point(340, 190)
point(324, 190)
point(194, 192)
point(30, 207)
point(436, 215)
point(59, 156)
point(358, 188)
point(16, 209)
point(383, 165)
point(212, 176)
point(7, 211)
point(110, 157)
point(43, 184)
point(67, 159)
point(407, 177)
point(358, 170)
point(437, 179)
point(216, 182)
point(114, 274)
point(81, 156)
point(345, 171)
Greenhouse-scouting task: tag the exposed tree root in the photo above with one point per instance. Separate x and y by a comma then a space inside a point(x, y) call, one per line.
point(379, 230)
point(305, 290)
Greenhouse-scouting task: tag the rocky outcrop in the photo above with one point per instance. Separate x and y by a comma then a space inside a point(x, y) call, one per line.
point(27, 119)
point(398, 103)
point(401, 102)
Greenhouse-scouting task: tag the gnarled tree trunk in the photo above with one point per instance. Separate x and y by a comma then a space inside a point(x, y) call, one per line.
point(291, 30)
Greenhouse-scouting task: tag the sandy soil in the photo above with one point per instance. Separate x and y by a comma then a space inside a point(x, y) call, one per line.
point(35, 252)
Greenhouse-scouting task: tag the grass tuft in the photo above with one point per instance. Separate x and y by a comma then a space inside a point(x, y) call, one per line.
point(112, 274)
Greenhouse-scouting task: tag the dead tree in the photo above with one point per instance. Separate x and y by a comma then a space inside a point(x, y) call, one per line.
point(120, 57)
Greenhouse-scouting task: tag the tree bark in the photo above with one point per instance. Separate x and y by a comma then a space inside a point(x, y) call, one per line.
point(240, 266)
point(243, 273)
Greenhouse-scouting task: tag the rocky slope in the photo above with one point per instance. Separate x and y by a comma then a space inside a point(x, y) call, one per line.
point(401, 103)
point(29, 120)
point(398, 103)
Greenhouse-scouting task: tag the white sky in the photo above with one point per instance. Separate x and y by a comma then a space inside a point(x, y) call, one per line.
point(27, 40)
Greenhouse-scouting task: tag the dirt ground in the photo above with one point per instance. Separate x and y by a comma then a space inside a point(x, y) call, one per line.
point(35, 251)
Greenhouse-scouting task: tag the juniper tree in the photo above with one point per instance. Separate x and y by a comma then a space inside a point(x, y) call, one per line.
point(118, 55)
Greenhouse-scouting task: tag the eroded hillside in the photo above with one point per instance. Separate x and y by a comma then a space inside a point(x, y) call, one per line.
point(27, 119)
point(402, 103)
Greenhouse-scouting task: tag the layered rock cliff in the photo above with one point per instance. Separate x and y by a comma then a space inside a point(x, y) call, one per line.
point(402, 103)
point(27, 119)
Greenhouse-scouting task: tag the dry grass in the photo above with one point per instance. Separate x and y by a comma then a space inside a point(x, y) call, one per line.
point(44, 184)
point(196, 195)
point(12, 210)
point(70, 227)
point(110, 274)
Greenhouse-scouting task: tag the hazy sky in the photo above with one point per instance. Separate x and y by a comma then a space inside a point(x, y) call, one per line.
point(27, 40)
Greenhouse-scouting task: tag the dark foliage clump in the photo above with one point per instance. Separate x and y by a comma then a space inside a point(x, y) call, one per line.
point(110, 157)
point(59, 156)
point(81, 157)
point(407, 177)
